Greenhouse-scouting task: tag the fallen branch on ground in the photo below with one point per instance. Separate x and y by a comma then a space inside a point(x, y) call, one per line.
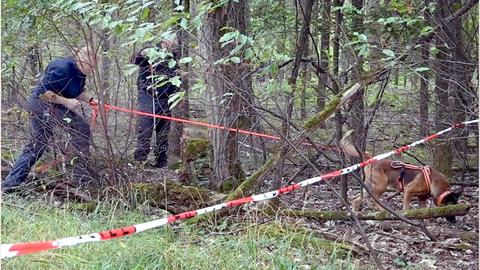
point(437, 231)
point(421, 213)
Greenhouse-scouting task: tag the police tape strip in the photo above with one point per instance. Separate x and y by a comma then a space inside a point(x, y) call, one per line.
point(17, 249)
point(181, 120)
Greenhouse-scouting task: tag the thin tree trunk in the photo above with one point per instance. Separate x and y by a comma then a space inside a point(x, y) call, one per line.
point(325, 47)
point(459, 87)
point(442, 150)
point(336, 90)
point(305, 10)
point(182, 108)
point(424, 95)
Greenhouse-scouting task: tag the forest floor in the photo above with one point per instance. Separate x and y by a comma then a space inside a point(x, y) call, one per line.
point(236, 242)
point(42, 216)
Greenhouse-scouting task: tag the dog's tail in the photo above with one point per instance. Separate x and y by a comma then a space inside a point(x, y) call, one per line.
point(349, 149)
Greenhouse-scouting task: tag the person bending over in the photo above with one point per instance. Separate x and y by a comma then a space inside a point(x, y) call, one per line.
point(52, 104)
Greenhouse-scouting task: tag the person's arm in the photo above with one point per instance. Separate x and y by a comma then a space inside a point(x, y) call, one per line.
point(86, 97)
point(50, 96)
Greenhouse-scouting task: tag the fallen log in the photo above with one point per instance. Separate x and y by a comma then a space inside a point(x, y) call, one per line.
point(439, 232)
point(421, 213)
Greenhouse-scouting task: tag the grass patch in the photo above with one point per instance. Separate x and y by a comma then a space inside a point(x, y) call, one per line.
point(180, 247)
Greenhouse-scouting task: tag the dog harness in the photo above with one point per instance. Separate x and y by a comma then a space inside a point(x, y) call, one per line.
point(403, 180)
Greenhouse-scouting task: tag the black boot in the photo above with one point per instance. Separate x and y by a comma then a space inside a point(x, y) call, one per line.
point(161, 161)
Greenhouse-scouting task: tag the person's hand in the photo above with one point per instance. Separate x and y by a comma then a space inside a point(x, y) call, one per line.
point(72, 103)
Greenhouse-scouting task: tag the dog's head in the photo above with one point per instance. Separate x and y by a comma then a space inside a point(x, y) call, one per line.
point(449, 199)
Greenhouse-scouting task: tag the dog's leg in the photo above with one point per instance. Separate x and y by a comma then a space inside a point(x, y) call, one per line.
point(357, 204)
point(407, 198)
point(380, 180)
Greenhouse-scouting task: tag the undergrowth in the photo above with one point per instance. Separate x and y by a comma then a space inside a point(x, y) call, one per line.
point(233, 246)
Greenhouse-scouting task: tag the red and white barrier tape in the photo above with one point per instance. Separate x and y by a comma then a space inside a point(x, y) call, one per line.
point(181, 120)
point(17, 249)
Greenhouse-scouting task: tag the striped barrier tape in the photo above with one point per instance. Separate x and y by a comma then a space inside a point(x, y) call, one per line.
point(17, 249)
point(95, 110)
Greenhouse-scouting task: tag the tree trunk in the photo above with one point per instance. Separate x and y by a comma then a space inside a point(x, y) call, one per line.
point(443, 72)
point(325, 47)
point(336, 68)
point(458, 95)
point(305, 10)
point(182, 108)
point(224, 102)
point(424, 96)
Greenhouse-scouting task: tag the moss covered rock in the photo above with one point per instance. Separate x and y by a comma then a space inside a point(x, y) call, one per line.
point(170, 195)
point(196, 148)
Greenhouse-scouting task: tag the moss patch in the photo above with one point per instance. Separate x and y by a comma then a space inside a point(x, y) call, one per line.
point(302, 238)
point(169, 195)
point(196, 148)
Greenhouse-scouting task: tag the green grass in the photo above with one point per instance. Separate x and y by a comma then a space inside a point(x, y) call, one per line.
point(182, 247)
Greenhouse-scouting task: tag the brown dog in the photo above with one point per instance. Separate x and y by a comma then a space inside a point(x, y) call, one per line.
point(414, 181)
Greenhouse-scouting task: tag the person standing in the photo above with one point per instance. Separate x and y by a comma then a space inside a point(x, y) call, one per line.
point(52, 103)
point(153, 93)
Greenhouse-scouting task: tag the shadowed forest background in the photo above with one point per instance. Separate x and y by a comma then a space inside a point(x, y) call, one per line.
point(302, 70)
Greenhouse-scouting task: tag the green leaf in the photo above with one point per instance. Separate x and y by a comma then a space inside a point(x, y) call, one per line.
point(172, 20)
point(175, 98)
point(249, 54)
point(171, 63)
point(145, 14)
point(175, 81)
point(422, 69)
point(434, 50)
point(185, 60)
point(426, 30)
point(235, 59)
point(184, 23)
point(228, 36)
point(389, 53)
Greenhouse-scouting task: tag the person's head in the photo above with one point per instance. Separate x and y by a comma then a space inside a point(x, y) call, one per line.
point(86, 59)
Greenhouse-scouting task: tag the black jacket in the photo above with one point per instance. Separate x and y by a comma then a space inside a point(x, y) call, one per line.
point(153, 85)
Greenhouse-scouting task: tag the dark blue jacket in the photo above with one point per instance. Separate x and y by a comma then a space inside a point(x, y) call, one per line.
point(62, 77)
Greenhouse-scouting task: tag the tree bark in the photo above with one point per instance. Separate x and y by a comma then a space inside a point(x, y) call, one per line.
point(443, 73)
point(325, 48)
point(221, 82)
point(182, 108)
point(424, 95)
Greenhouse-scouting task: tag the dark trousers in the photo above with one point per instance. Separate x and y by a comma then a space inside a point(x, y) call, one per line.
point(43, 119)
point(145, 126)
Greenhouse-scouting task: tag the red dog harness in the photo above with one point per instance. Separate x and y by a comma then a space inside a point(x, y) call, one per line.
point(401, 179)
point(426, 175)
